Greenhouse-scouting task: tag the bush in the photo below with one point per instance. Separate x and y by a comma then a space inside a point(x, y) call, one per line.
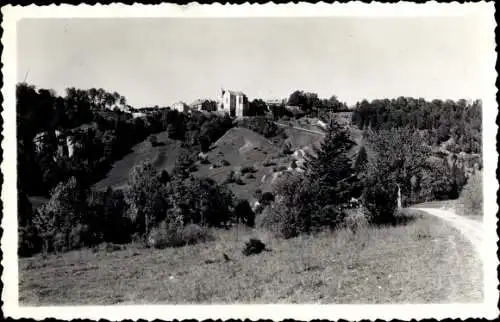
point(283, 221)
point(472, 195)
point(248, 169)
point(287, 149)
point(166, 235)
point(194, 234)
point(253, 246)
point(244, 213)
point(175, 234)
point(381, 202)
point(266, 198)
point(29, 242)
point(82, 236)
point(164, 177)
point(153, 140)
point(234, 177)
point(220, 163)
point(268, 163)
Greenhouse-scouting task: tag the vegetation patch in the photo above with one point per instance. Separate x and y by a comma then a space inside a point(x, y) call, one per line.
point(372, 265)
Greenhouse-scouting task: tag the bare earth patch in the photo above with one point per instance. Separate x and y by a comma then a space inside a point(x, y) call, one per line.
point(426, 261)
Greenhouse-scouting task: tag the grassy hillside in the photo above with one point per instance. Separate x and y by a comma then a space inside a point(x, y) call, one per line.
point(163, 156)
point(241, 147)
point(425, 261)
point(237, 149)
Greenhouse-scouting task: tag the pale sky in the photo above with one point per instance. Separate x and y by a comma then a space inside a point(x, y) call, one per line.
point(163, 60)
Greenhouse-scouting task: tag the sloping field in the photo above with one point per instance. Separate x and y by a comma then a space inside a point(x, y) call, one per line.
point(426, 261)
point(241, 147)
point(162, 156)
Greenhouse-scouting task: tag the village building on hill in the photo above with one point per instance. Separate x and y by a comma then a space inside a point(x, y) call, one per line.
point(197, 104)
point(180, 106)
point(233, 102)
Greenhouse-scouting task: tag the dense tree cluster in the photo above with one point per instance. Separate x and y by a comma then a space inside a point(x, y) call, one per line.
point(440, 120)
point(256, 107)
point(402, 158)
point(77, 135)
point(262, 125)
point(76, 217)
point(68, 143)
point(316, 199)
point(312, 104)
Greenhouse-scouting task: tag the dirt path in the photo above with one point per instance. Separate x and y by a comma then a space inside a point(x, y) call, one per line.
point(472, 229)
point(300, 128)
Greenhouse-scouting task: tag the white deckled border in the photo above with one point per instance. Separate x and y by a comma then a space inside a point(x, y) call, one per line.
point(11, 308)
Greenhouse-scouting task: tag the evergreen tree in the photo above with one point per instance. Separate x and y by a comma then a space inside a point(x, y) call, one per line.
point(331, 169)
point(361, 159)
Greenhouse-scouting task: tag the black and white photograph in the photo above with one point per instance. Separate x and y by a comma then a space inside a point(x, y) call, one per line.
point(250, 154)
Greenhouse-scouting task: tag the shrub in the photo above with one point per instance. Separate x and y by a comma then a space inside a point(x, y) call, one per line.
point(175, 234)
point(250, 176)
point(194, 234)
point(355, 219)
point(231, 177)
point(253, 246)
point(164, 177)
point(283, 221)
point(166, 235)
point(287, 149)
point(29, 242)
point(153, 140)
point(268, 163)
point(82, 236)
point(380, 200)
point(234, 177)
point(184, 163)
point(58, 243)
point(472, 195)
point(244, 213)
point(220, 163)
point(248, 169)
point(266, 198)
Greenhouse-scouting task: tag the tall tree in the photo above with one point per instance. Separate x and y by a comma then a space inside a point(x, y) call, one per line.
point(332, 168)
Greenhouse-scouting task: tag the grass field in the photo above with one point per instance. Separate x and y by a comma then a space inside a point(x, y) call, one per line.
point(425, 261)
point(162, 156)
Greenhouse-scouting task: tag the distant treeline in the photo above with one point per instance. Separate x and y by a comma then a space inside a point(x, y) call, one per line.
point(442, 120)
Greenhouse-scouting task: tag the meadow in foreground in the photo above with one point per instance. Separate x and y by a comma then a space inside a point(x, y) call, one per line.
point(424, 261)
